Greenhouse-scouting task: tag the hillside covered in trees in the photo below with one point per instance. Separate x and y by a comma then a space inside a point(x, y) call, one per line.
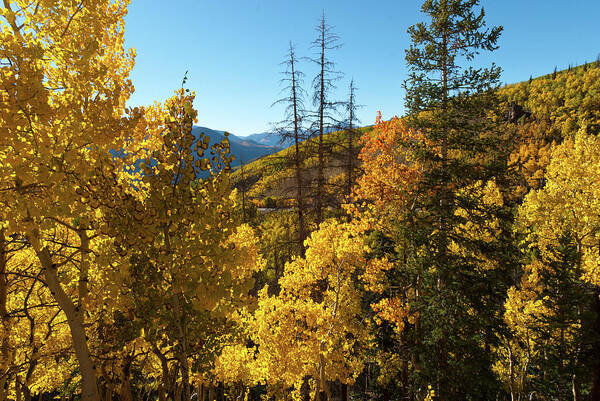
point(451, 253)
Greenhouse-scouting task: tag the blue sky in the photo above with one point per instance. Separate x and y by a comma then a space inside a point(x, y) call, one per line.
point(232, 49)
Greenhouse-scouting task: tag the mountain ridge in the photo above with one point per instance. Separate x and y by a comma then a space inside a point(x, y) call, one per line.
point(245, 149)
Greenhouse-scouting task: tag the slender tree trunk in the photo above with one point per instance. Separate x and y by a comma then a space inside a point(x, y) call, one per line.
point(595, 393)
point(442, 384)
point(561, 385)
point(18, 392)
point(321, 159)
point(182, 347)
point(109, 391)
point(26, 393)
point(344, 392)
point(385, 396)
point(404, 377)
point(178, 393)
point(163, 388)
point(27, 381)
point(221, 391)
point(243, 188)
point(3, 387)
point(511, 372)
point(6, 354)
point(321, 393)
point(305, 389)
point(89, 385)
point(161, 392)
point(297, 161)
point(125, 389)
point(350, 160)
point(444, 212)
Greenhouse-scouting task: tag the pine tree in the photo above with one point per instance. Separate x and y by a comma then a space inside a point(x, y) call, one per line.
point(351, 134)
point(453, 105)
point(326, 108)
point(291, 127)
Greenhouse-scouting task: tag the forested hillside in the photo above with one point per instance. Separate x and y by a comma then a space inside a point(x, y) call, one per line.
point(452, 253)
point(273, 177)
point(545, 110)
point(555, 107)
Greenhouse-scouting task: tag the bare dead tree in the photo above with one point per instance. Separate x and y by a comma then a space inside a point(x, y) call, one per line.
point(243, 190)
point(290, 128)
point(326, 108)
point(351, 136)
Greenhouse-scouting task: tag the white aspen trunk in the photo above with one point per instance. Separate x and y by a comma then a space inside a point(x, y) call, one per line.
point(89, 385)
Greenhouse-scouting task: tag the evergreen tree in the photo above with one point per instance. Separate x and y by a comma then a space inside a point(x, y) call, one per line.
point(453, 104)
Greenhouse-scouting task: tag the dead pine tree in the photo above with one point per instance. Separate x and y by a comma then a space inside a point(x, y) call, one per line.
point(291, 129)
point(346, 149)
point(351, 136)
point(243, 190)
point(326, 109)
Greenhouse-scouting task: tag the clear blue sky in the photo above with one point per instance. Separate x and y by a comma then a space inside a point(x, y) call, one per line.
point(232, 49)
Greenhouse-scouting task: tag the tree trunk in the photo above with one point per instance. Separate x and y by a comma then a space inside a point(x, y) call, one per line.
point(164, 387)
point(109, 391)
point(404, 376)
point(343, 392)
point(89, 385)
point(18, 392)
point(162, 396)
point(243, 189)
point(297, 162)
point(442, 384)
point(26, 393)
point(125, 389)
point(3, 387)
point(221, 391)
point(27, 381)
point(6, 354)
point(182, 348)
point(321, 159)
point(350, 159)
point(595, 394)
point(178, 393)
point(511, 372)
point(305, 389)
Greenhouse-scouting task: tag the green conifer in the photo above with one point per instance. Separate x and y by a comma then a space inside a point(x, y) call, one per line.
point(454, 104)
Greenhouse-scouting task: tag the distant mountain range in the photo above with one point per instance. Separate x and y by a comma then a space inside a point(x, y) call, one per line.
point(245, 149)
point(270, 139)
